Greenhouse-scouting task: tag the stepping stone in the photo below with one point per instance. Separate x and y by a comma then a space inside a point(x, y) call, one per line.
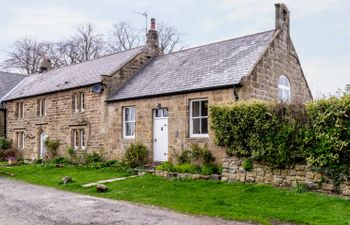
point(107, 181)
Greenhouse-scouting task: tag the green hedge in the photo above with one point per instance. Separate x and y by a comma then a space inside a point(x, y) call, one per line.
point(281, 135)
point(263, 131)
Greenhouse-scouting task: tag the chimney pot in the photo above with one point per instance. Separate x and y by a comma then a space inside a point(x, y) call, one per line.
point(152, 42)
point(45, 65)
point(153, 24)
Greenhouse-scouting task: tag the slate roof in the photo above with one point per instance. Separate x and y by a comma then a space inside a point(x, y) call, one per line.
point(210, 66)
point(8, 81)
point(74, 76)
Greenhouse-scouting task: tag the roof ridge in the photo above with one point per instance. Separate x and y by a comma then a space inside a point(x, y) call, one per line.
point(104, 56)
point(217, 42)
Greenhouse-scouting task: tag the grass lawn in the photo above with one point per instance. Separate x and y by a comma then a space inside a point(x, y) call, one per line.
point(235, 201)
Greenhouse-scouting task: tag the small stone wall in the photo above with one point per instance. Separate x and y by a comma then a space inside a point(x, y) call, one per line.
point(290, 177)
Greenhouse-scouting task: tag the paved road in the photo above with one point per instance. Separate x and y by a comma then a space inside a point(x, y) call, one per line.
point(26, 204)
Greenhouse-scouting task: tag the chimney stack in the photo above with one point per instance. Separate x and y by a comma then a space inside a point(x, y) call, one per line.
point(282, 17)
point(152, 42)
point(45, 65)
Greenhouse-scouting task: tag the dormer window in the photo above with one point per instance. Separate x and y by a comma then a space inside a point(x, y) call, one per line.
point(284, 92)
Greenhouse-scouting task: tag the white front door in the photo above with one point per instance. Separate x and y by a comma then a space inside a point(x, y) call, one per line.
point(160, 134)
point(42, 148)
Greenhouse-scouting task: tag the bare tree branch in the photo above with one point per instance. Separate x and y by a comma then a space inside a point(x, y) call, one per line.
point(84, 45)
point(169, 38)
point(26, 54)
point(124, 37)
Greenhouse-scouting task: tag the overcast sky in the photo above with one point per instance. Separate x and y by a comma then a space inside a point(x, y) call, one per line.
point(320, 29)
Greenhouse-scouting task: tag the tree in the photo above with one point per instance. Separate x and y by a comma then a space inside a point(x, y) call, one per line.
point(86, 44)
point(124, 37)
point(347, 88)
point(169, 38)
point(26, 55)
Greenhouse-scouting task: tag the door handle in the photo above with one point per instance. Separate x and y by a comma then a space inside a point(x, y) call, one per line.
point(155, 140)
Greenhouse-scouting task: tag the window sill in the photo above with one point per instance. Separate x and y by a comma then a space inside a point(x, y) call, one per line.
point(129, 138)
point(199, 137)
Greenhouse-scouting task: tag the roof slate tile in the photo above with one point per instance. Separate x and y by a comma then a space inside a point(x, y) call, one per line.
point(209, 66)
point(74, 76)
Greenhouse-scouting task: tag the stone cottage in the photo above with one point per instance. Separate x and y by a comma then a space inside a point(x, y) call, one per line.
point(159, 100)
point(7, 82)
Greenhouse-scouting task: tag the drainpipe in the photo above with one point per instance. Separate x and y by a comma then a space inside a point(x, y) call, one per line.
point(235, 93)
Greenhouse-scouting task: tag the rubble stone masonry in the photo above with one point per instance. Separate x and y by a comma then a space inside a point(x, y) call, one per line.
point(289, 177)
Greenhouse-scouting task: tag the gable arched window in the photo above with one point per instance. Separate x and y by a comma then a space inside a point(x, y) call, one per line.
point(283, 89)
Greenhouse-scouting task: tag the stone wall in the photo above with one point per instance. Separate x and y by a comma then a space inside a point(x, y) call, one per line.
point(178, 123)
point(120, 77)
point(289, 177)
point(2, 123)
point(279, 59)
point(59, 122)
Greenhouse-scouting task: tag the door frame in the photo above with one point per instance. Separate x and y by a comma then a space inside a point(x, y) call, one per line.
point(42, 137)
point(164, 116)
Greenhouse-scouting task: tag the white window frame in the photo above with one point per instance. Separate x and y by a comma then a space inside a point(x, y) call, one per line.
point(82, 139)
point(79, 139)
point(130, 121)
point(76, 139)
point(285, 89)
point(20, 109)
point(82, 102)
point(20, 139)
point(192, 135)
point(76, 102)
point(42, 107)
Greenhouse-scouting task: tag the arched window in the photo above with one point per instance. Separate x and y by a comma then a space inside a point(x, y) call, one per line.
point(283, 89)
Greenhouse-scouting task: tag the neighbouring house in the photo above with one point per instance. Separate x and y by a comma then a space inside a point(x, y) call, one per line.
point(141, 95)
point(7, 82)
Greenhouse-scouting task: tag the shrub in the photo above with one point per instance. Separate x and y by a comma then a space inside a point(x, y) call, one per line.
point(186, 168)
point(5, 154)
point(301, 188)
point(111, 163)
point(201, 155)
point(70, 151)
point(285, 134)
point(196, 155)
point(184, 157)
point(209, 169)
point(61, 160)
point(135, 155)
point(93, 158)
point(247, 164)
point(328, 139)
point(271, 133)
point(166, 166)
point(52, 147)
point(5, 143)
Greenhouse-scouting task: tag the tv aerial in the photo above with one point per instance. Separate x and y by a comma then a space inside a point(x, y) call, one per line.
point(146, 18)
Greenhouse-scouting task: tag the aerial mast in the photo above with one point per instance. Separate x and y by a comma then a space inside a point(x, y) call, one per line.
point(146, 18)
